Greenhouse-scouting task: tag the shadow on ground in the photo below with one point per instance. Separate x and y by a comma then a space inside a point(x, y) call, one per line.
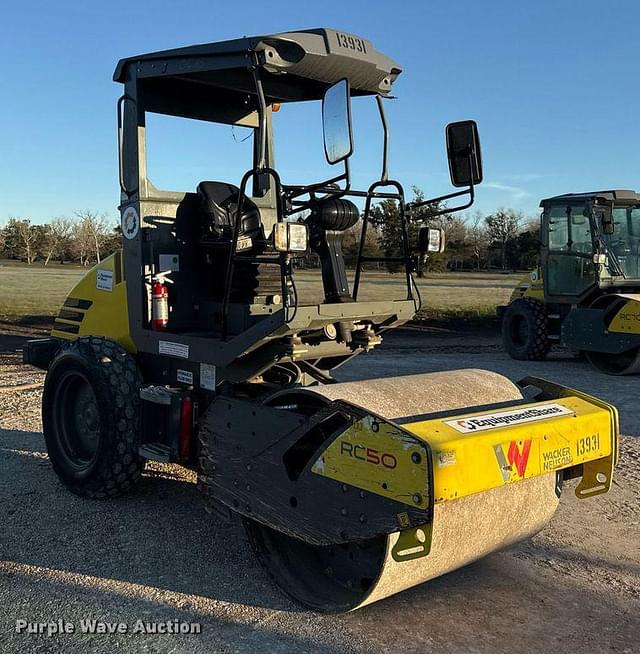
point(156, 555)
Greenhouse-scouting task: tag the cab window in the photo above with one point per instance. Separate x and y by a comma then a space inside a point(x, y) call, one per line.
point(570, 269)
point(570, 229)
point(558, 229)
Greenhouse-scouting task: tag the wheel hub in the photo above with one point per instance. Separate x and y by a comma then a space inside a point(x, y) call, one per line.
point(78, 420)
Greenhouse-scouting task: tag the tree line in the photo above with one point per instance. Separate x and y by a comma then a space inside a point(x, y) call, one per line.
point(504, 239)
point(86, 238)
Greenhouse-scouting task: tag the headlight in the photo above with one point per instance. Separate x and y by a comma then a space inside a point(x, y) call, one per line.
point(290, 237)
point(431, 240)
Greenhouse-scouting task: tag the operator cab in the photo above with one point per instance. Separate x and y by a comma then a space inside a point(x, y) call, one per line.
point(590, 242)
point(222, 254)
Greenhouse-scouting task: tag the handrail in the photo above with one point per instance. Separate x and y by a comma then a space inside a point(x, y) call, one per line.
point(406, 258)
point(119, 105)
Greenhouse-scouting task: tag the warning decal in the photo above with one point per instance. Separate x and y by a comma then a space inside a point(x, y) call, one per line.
point(173, 349)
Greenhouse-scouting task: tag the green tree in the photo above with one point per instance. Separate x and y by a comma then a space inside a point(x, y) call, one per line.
point(112, 242)
point(502, 227)
point(57, 239)
point(386, 218)
point(526, 246)
point(20, 239)
point(477, 239)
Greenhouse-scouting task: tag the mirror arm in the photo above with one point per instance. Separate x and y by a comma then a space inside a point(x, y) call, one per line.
point(347, 177)
point(385, 148)
point(471, 191)
point(292, 192)
point(296, 190)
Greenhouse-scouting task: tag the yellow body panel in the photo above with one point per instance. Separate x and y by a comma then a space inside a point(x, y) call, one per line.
point(377, 456)
point(475, 452)
point(627, 320)
point(492, 455)
point(530, 286)
point(97, 306)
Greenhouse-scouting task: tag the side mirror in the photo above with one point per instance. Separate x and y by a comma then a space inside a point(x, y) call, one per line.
point(336, 122)
point(431, 240)
point(463, 152)
point(605, 216)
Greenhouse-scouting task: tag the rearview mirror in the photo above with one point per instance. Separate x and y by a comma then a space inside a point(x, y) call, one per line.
point(336, 122)
point(463, 152)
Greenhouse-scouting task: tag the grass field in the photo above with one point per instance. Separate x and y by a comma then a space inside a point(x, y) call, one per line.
point(445, 296)
point(34, 290)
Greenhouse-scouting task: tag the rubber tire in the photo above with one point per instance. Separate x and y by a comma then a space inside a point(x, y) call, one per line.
point(115, 380)
point(534, 326)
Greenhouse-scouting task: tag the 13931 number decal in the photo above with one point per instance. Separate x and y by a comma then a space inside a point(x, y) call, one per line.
point(351, 42)
point(588, 444)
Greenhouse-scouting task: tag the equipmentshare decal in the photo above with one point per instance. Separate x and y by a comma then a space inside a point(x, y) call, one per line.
point(507, 418)
point(104, 280)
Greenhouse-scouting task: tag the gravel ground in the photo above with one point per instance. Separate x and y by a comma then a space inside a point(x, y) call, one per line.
point(156, 556)
point(410, 351)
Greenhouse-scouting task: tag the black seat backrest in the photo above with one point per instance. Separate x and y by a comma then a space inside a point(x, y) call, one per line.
point(219, 201)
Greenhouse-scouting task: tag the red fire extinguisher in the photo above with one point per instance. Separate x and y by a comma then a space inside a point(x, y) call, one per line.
point(159, 305)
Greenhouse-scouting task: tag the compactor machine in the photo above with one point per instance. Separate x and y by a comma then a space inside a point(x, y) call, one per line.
point(192, 345)
point(585, 294)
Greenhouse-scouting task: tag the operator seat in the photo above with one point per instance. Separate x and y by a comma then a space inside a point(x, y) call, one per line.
point(253, 282)
point(219, 202)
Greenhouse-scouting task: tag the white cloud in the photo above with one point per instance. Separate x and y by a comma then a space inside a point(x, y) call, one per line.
point(516, 192)
point(522, 177)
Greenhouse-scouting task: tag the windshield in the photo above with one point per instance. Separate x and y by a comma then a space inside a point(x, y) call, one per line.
point(624, 243)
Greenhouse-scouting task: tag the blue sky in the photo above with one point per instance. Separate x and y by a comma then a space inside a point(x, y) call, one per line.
point(553, 86)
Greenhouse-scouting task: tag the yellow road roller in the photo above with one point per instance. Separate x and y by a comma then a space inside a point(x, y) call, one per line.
point(585, 294)
point(193, 345)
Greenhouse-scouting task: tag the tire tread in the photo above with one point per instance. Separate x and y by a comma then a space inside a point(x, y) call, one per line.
point(539, 345)
point(118, 466)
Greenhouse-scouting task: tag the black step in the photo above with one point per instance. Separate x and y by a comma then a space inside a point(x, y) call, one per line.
point(155, 452)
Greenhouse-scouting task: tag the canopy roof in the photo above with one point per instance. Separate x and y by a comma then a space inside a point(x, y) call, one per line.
point(294, 65)
point(620, 195)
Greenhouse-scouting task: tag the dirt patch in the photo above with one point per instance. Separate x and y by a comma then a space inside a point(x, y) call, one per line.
point(14, 333)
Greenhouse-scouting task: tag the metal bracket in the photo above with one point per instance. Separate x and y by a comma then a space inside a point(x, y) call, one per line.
point(413, 543)
point(596, 478)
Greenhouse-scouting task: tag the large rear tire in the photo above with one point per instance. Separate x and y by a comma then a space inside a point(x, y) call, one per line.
point(525, 332)
point(91, 417)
